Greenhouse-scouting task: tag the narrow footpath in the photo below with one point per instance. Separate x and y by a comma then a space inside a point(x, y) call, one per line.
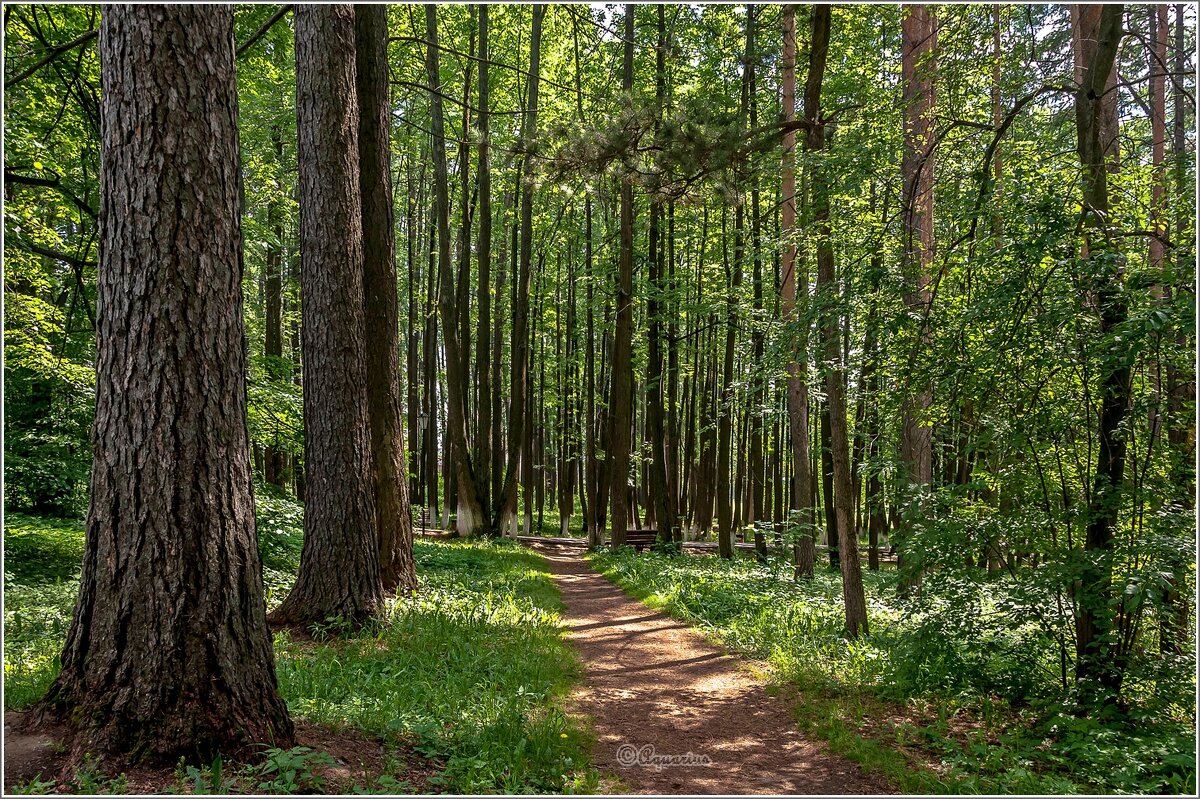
point(673, 713)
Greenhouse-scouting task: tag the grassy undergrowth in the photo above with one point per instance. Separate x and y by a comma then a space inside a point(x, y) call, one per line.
point(936, 707)
point(469, 672)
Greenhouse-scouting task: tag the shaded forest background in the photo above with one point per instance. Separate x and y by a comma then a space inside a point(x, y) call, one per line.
point(945, 312)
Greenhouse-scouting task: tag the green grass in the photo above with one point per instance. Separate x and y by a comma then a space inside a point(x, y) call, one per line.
point(935, 699)
point(470, 671)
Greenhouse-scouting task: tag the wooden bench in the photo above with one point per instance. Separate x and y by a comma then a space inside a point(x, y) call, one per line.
point(641, 539)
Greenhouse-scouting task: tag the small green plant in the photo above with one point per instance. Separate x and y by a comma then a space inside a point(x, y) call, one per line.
point(212, 780)
point(88, 779)
point(35, 786)
point(386, 784)
point(292, 770)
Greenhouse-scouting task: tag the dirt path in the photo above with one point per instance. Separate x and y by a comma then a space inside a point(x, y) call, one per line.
point(658, 694)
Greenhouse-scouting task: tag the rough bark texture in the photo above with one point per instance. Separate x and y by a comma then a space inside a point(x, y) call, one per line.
point(393, 520)
point(621, 402)
point(1085, 28)
point(339, 565)
point(168, 652)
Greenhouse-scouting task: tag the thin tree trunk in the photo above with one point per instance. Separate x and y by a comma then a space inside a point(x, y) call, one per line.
point(1100, 662)
point(381, 311)
point(725, 523)
point(661, 498)
point(471, 519)
point(797, 368)
point(485, 420)
point(756, 466)
point(918, 69)
point(507, 502)
point(620, 404)
point(852, 587)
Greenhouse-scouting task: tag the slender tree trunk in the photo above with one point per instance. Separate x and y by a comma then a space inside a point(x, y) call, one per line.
point(412, 344)
point(620, 404)
point(381, 310)
point(725, 522)
point(662, 500)
point(756, 466)
point(852, 587)
point(1100, 662)
point(429, 447)
point(168, 653)
point(507, 502)
point(274, 471)
point(485, 420)
point(918, 69)
point(471, 519)
point(797, 367)
point(498, 450)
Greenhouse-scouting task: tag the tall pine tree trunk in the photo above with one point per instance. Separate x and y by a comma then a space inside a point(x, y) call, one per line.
point(485, 420)
point(506, 503)
point(339, 565)
point(835, 379)
point(168, 652)
point(393, 520)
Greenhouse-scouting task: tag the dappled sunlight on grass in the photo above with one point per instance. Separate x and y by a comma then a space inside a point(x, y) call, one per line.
point(960, 674)
point(469, 671)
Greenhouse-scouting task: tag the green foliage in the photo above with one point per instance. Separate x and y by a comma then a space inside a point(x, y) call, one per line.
point(35, 786)
point(291, 770)
point(967, 648)
point(470, 671)
point(87, 779)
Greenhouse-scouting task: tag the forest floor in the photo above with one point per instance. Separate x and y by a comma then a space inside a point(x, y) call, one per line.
point(672, 713)
point(35, 761)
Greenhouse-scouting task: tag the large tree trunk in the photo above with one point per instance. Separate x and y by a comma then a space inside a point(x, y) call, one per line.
point(393, 520)
point(470, 519)
point(919, 65)
point(168, 653)
point(621, 402)
point(1099, 665)
point(339, 565)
